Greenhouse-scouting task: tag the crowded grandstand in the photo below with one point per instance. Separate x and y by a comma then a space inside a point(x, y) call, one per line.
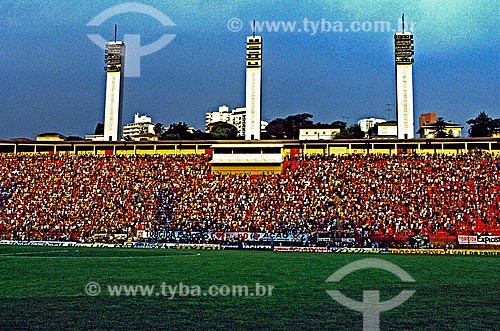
point(362, 200)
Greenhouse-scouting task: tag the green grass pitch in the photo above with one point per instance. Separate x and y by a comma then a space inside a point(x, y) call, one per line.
point(43, 288)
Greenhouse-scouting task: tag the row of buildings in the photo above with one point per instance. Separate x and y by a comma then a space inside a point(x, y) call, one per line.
point(384, 129)
point(236, 117)
point(429, 127)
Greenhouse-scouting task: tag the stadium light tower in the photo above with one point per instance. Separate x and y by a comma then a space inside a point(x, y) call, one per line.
point(403, 42)
point(253, 87)
point(114, 58)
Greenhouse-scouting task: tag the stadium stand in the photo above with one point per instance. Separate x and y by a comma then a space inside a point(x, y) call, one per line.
point(374, 198)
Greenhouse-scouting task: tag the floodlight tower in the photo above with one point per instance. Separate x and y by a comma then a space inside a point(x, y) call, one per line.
point(403, 42)
point(114, 58)
point(253, 87)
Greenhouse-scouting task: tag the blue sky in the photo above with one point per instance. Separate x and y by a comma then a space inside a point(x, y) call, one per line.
point(52, 76)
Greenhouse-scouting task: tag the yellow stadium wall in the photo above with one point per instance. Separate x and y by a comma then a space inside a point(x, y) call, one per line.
point(165, 151)
point(246, 169)
point(144, 151)
point(330, 147)
point(338, 150)
point(313, 151)
point(125, 152)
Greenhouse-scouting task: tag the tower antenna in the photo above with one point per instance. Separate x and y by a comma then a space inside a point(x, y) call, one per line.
point(253, 29)
point(403, 23)
point(116, 28)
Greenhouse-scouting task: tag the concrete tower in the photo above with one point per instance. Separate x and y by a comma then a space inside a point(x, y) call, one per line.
point(403, 42)
point(253, 87)
point(114, 58)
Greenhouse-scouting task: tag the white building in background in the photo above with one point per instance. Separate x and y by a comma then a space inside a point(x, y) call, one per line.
point(368, 123)
point(387, 129)
point(238, 119)
point(221, 115)
point(403, 42)
point(451, 129)
point(141, 125)
point(253, 87)
point(115, 59)
point(318, 132)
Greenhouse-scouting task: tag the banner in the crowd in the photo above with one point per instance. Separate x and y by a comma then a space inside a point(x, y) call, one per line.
point(140, 244)
point(183, 236)
point(479, 240)
point(247, 246)
point(302, 249)
point(330, 250)
point(467, 240)
point(195, 246)
point(443, 251)
point(54, 243)
point(36, 243)
point(360, 250)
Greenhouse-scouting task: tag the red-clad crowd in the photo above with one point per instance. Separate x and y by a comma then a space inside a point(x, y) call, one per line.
point(84, 198)
point(94, 198)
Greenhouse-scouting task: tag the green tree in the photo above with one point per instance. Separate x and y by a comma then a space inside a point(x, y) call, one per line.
point(177, 131)
point(275, 129)
point(482, 125)
point(200, 135)
point(352, 132)
point(339, 124)
point(294, 122)
point(223, 130)
point(287, 128)
point(158, 129)
point(440, 129)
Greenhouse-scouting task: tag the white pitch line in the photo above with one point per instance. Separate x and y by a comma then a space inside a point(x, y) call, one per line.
point(29, 253)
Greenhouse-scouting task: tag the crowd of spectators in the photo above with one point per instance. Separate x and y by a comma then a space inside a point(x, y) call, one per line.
point(94, 198)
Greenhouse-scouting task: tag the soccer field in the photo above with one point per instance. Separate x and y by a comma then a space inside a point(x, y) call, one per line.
point(47, 288)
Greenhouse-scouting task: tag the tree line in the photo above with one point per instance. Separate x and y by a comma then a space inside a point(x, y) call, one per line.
point(288, 128)
point(279, 128)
